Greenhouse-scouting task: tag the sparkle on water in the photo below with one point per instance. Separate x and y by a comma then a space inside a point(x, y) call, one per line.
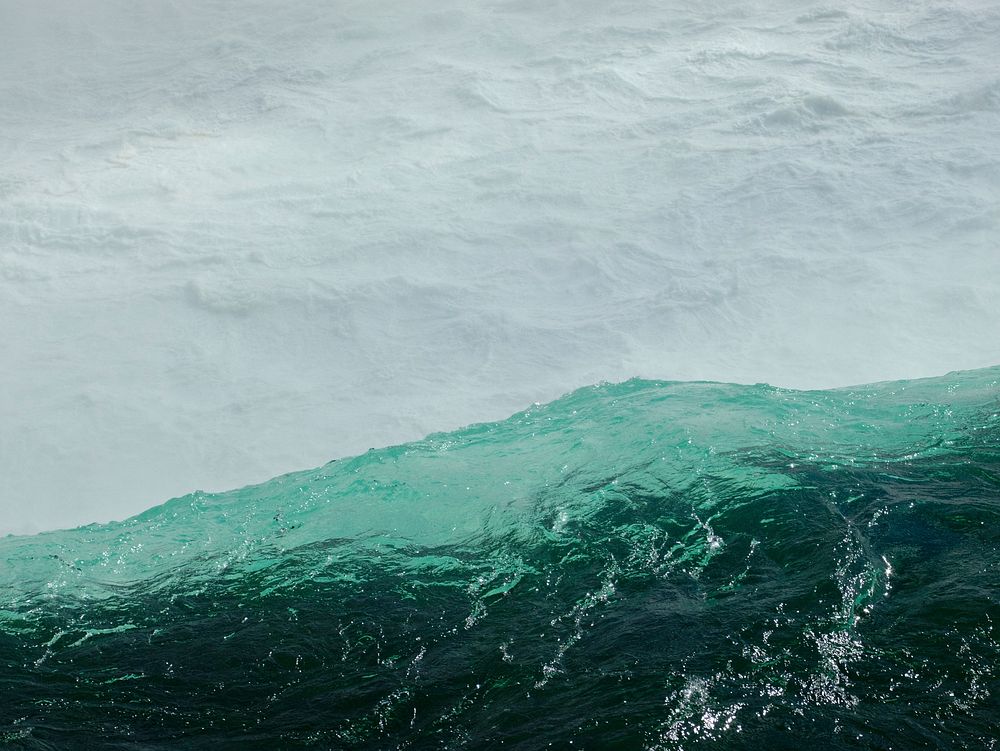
point(641, 565)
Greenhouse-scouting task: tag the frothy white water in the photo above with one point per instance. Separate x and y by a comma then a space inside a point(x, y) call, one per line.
point(243, 238)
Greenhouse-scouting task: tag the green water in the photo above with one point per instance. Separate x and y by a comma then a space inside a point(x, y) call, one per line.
point(644, 565)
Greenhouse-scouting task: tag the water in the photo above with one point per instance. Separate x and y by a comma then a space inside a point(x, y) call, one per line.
point(646, 565)
point(239, 239)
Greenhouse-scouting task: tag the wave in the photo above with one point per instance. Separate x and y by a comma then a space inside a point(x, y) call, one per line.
point(638, 565)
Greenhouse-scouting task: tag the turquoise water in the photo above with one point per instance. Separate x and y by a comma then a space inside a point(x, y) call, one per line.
point(640, 565)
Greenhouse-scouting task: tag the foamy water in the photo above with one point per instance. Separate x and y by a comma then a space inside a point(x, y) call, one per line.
point(239, 239)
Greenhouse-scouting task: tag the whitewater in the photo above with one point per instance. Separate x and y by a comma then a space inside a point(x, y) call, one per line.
point(242, 239)
point(561, 302)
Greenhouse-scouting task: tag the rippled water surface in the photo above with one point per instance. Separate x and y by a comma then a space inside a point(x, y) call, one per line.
point(645, 565)
point(241, 238)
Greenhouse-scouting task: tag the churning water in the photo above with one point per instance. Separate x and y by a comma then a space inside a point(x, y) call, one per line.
point(645, 565)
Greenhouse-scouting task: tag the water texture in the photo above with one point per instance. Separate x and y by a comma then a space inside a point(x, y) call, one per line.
point(646, 565)
point(241, 238)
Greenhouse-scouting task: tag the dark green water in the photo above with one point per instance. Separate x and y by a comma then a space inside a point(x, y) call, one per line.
point(635, 566)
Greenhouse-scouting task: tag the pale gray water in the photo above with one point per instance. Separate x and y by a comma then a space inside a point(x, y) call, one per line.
point(242, 238)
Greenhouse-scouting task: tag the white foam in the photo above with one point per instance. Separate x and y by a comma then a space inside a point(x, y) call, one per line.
point(241, 239)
